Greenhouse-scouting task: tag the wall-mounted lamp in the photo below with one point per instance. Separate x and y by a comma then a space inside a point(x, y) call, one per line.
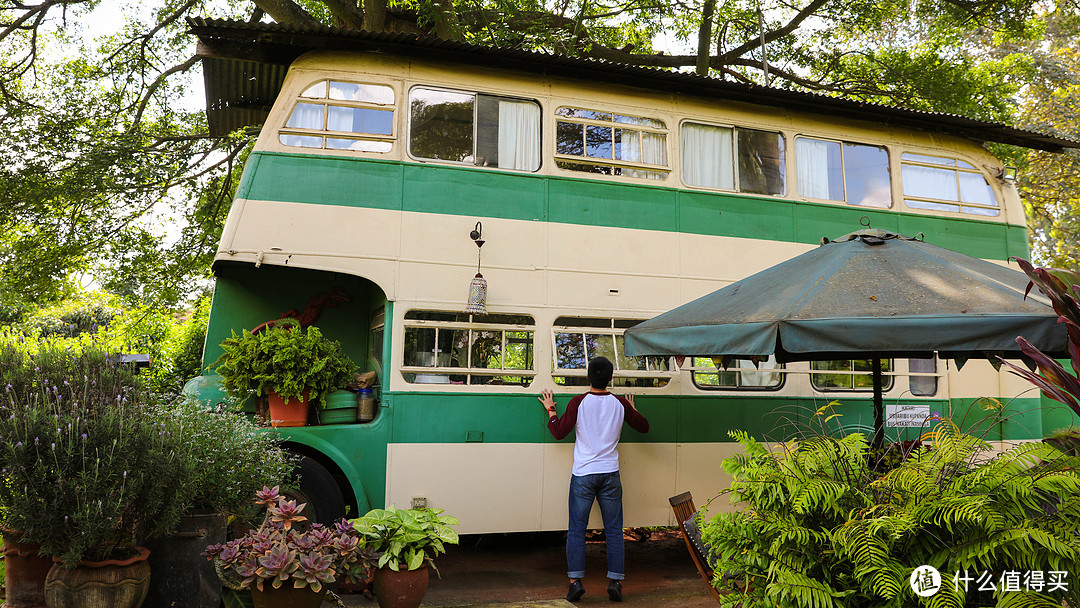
point(478, 286)
point(1007, 174)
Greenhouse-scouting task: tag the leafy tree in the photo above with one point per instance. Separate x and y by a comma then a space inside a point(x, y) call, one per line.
point(97, 146)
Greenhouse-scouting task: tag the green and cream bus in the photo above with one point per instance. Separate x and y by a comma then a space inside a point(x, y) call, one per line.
point(604, 195)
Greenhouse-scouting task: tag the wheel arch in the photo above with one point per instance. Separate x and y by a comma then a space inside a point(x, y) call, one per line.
point(343, 469)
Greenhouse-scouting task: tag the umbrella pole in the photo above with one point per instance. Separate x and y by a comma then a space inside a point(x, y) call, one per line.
point(879, 408)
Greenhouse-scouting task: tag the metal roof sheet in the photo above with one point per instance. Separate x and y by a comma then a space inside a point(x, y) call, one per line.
point(244, 65)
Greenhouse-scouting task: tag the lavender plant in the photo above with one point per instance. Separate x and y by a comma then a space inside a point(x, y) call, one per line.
point(85, 466)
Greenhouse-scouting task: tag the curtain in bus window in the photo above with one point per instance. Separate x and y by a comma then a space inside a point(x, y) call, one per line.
point(922, 386)
point(306, 116)
point(866, 170)
point(519, 135)
point(360, 120)
point(707, 156)
point(761, 161)
point(760, 377)
point(975, 189)
point(819, 170)
point(929, 182)
point(642, 147)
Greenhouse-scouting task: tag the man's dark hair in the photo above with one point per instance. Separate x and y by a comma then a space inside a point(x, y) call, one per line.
point(600, 371)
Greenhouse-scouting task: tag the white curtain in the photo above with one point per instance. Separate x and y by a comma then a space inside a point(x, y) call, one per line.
point(519, 136)
point(929, 182)
point(307, 116)
point(707, 156)
point(812, 167)
point(974, 189)
point(761, 376)
point(341, 119)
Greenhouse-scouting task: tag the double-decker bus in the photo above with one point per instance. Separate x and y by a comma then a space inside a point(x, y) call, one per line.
point(604, 195)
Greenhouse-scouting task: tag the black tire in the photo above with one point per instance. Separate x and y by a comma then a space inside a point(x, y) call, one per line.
point(316, 487)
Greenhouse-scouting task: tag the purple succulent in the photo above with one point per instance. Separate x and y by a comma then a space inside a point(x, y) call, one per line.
point(287, 512)
point(267, 496)
point(314, 570)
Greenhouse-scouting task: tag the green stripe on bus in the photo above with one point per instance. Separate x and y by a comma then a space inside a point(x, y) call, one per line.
point(478, 192)
point(421, 417)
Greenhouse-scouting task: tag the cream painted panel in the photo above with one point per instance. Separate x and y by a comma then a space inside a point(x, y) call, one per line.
point(978, 379)
point(592, 291)
point(730, 258)
point(700, 473)
point(648, 474)
point(601, 248)
point(489, 487)
point(325, 229)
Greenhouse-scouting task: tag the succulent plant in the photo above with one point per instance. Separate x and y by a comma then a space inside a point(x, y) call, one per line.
point(280, 552)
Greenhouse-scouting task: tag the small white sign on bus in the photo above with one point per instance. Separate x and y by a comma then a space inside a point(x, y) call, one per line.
point(906, 415)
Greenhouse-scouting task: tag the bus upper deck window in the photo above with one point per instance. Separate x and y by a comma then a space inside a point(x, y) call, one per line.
point(946, 184)
point(732, 158)
point(611, 144)
point(342, 116)
point(831, 170)
point(472, 128)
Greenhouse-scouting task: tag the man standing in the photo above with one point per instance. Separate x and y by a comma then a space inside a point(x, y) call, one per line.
point(597, 416)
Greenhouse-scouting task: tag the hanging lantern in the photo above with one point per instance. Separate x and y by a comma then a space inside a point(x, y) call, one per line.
point(478, 287)
point(477, 296)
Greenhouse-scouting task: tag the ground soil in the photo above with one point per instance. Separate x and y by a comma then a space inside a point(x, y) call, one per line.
point(526, 568)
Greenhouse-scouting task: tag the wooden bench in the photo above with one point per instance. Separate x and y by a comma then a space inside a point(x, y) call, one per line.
point(704, 559)
point(686, 517)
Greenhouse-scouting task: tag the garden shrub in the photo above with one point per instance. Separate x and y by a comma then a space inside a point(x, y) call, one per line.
point(818, 528)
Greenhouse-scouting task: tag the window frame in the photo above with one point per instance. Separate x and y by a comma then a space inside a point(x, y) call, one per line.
point(665, 131)
point(890, 375)
point(972, 168)
point(559, 372)
point(780, 369)
point(843, 169)
point(475, 123)
point(785, 192)
point(326, 102)
point(468, 372)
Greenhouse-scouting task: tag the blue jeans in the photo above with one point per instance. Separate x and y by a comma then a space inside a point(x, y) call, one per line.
point(606, 489)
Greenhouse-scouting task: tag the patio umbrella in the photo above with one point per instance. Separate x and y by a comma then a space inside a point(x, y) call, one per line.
point(871, 294)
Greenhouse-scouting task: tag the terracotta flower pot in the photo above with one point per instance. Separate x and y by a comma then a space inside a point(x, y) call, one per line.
point(286, 596)
point(293, 412)
point(401, 589)
point(25, 572)
point(105, 584)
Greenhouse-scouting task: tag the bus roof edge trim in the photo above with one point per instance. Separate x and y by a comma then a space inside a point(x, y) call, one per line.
point(244, 65)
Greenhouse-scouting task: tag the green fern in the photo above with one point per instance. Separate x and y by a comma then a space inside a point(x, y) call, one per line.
point(819, 529)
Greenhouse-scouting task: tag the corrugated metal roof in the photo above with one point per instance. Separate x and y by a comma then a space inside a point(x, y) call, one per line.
point(244, 65)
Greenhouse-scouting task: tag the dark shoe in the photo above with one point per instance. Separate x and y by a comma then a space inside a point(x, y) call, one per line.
point(614, 591)
point(576, 591)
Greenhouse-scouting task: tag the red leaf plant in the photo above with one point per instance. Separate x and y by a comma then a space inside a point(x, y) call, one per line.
point(278, 552)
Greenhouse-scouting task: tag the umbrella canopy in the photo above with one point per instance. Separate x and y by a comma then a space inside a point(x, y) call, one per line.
point(869, 294)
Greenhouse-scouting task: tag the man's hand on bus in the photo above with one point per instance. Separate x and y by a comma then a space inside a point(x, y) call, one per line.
point(547, 397)
point(630, 400)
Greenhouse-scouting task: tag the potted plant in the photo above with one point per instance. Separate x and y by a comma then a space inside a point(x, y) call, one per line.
point(405, 541)
point(223, 461)
point(289, 364)
point(87, 469)
point(283, 565)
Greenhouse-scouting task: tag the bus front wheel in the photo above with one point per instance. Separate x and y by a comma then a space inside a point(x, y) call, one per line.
point(315, 486)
